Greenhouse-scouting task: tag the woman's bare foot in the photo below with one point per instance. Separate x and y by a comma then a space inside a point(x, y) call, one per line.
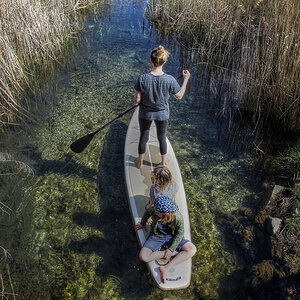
point(138, 163)
point(163, 273)
point(165, 161)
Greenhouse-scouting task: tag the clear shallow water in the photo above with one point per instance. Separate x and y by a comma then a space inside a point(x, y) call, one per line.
point(71, 236)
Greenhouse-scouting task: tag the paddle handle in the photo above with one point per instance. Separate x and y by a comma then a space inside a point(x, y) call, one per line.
point(117, 117)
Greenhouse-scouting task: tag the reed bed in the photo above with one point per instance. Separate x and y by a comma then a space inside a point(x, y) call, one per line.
point(248, 49)
point(33, 34)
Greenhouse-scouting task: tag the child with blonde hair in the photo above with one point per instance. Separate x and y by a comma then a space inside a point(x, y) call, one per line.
point(162, 185)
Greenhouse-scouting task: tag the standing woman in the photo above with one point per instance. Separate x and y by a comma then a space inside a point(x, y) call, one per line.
point(152, 93)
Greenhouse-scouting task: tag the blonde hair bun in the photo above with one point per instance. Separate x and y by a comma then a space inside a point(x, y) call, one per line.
point(159, 56)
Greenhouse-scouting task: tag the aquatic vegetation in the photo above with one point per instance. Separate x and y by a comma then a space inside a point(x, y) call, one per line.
point(263, 271)
point(250, 64)
point(12, 173)
point(286, 241)
point(10, 166)
point(34, 37)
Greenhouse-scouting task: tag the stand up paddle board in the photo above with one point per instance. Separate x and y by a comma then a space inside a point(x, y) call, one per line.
point(138, 183)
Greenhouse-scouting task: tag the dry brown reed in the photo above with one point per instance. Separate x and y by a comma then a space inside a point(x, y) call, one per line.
point(33, 34)
point(4, 258)
point(249, 48)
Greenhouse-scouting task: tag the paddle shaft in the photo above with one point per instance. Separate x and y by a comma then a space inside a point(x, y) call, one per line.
point(119, 116)
point(80, 144)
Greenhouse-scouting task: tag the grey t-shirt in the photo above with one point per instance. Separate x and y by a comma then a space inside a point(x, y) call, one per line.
point(169, 191)
point(155, 92)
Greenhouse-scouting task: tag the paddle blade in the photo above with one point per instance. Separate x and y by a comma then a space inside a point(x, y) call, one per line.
point(79, 145)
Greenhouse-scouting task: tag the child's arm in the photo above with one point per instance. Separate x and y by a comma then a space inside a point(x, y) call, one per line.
point(152, 200)
point(140, 226)
point(147, 214)
point(175, 198)
point(150, 203)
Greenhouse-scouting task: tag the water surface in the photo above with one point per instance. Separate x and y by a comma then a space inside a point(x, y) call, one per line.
point(71, 236)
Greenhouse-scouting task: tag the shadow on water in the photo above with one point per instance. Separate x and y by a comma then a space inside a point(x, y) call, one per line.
point(251, 245)
point(118, 247)
point(66, 166)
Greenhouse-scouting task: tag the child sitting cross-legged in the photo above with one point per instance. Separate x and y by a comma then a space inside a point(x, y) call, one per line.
point(167, 230)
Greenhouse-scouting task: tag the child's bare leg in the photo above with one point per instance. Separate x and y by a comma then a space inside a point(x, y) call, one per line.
point(147, 254)
point(188, 250)
point(139, 161)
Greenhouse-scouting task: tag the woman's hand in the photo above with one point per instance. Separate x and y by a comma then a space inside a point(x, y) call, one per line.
point(137, 98)
point(168, 254)
point(186, 74)
point(140, 226)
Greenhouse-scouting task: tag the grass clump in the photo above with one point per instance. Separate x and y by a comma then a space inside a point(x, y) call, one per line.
point(287, 165)
point(247, 53)
point(289, 238)
point(263, 271)
point(290, 162)
point(33, 34)
point(286, 241)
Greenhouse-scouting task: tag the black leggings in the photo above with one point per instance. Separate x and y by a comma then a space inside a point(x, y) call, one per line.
point(161, 130)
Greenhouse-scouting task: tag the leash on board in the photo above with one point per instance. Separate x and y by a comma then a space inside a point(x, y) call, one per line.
point(150, 158)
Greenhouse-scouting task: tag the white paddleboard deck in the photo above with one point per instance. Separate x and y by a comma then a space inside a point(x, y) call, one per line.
point(138, 183)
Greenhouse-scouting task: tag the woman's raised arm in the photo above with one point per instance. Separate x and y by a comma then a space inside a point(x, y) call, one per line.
point(186, 75)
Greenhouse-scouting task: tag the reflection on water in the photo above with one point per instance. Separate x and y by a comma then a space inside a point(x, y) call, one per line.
point(72, 237)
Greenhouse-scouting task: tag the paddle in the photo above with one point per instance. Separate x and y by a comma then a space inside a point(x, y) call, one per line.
point(80, 144)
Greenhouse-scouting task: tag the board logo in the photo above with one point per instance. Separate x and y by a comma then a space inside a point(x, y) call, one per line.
point(173, 279)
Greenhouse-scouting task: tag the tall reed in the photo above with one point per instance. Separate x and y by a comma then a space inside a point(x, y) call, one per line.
point(249, 48)
point(33, 34)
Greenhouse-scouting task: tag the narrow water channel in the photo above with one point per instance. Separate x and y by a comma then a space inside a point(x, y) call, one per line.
point(71, 235)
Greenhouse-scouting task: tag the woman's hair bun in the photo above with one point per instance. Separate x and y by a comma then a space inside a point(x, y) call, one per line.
point(159, 55)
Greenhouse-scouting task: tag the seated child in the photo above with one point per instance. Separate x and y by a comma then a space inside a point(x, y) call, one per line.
point(162, 185)
point(167, 229)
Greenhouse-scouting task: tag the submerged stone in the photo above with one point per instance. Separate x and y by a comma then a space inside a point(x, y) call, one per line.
point(272, 225)
point(276, 190)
